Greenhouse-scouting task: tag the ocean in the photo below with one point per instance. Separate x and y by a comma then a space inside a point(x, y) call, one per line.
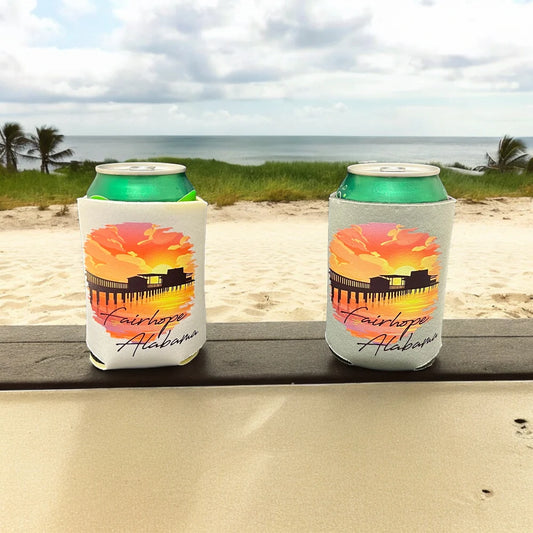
point(255, 150)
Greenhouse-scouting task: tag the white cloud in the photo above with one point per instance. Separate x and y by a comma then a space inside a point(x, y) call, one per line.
point(19, 27)
point(76, 8)
point(225, 120)
point(300, 58)
point(319, 112)
point(176, 112)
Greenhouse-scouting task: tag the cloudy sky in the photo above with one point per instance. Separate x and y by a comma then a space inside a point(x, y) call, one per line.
point(324, 67)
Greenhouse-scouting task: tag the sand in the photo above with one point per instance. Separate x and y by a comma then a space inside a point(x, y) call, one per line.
point(268, 262)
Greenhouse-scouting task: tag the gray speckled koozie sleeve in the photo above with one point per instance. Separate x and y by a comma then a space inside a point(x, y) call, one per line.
point(144, 269)
point(386, 282)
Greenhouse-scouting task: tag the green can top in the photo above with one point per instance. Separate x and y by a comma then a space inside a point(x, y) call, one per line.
point(141, 182)
point(402, 183)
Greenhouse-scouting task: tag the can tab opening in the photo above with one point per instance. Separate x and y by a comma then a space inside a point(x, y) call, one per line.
point(392, 169)
point(142, 168)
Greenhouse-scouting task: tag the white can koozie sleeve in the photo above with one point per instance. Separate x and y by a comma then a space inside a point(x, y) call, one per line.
point(386, 282)
point(144, 267)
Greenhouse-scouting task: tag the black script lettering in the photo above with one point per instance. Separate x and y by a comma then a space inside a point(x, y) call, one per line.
point(391, 343)
point(404, 324)
point(112, 314)
point(155, 319)
point(146, 341)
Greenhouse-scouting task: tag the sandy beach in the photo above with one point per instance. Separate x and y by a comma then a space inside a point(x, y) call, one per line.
point(268, 262)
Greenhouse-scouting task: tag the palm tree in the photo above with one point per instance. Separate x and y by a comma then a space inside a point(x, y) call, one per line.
point(45, 143)
point(12, 140)
point(511, 155)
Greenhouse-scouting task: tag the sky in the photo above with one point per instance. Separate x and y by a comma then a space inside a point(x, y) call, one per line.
point(362, 252)
point(268, 67)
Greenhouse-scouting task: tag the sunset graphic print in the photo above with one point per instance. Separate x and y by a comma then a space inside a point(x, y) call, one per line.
point(383, 279)
point(140, 277)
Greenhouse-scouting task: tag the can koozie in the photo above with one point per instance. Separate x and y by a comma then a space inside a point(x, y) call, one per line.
point(386, 282)
point(144, 266)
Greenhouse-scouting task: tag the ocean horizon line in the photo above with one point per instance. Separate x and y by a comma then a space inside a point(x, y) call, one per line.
point(290, 135)
point(258, 149)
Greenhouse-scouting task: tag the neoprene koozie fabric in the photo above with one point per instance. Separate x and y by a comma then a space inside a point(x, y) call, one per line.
point(144, 267)
point(386, 282)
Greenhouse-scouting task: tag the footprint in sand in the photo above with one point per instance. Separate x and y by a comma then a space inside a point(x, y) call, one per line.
point(486, 494)
point(524, 430)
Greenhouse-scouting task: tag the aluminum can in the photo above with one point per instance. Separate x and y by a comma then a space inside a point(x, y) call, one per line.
point(142, 182)
point(389, 235)
point(394, 183)
point(143, 232)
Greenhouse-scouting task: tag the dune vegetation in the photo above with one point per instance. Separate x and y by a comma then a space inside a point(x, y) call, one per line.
point(224, 184)
point(507, 173)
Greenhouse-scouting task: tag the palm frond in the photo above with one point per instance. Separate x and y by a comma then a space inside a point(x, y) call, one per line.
point(490, 161)
point(511, 154)
point(61, 155)
point(44, 144)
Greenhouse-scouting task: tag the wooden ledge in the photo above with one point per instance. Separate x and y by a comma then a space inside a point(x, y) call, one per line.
point(261, 353)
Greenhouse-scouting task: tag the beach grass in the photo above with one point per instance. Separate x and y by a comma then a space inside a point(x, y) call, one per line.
point(223, 183)
point(487, 185)
point(30, 187)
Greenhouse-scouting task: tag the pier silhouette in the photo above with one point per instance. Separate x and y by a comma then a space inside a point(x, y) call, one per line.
point(137, 287)
point(383, 287)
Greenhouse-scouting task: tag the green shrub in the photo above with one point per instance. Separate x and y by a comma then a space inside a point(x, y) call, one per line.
point(223, 183)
